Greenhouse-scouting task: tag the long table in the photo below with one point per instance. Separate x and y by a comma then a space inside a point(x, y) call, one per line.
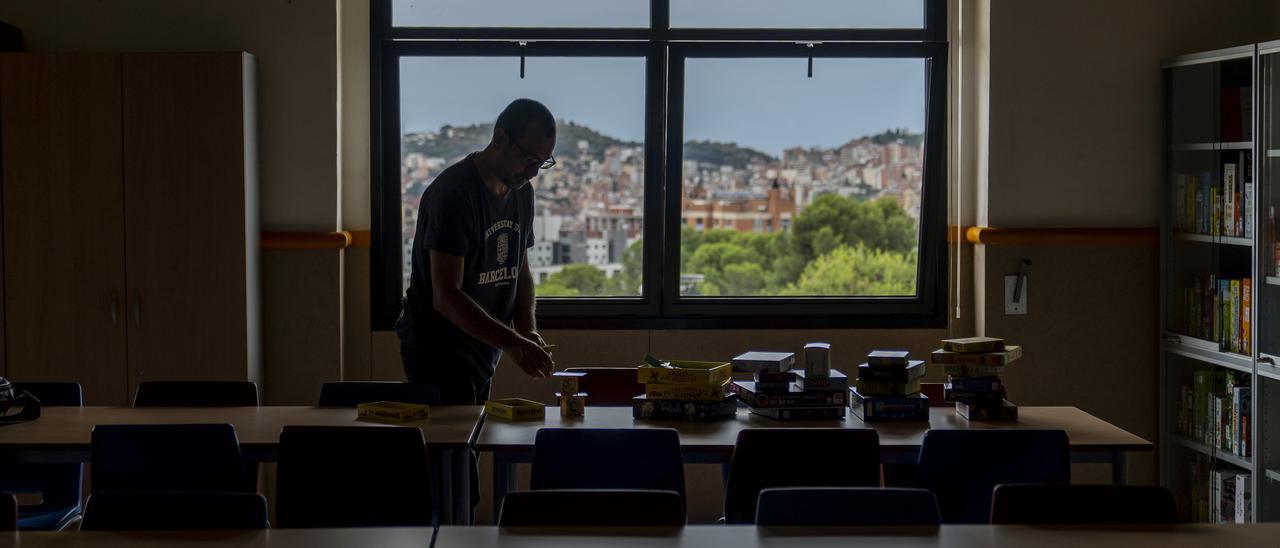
point(62, 434)
point(1092, 440)
point(694, 536)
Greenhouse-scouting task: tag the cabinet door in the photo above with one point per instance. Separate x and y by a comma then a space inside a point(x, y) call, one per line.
point(63, 221)
point(185, 197)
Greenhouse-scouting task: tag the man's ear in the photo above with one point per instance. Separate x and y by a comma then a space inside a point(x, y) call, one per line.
point(500, 136)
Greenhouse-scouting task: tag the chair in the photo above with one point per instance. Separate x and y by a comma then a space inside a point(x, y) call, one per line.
point(165, 457)
point(8, 512)
point(609, 386)
point(351, 394)
point(961, 467)
point(847, 506)
point(1026, 504)
point(797, 457)
point(59, 484)
point(196, 394)
point(171, 511)
point(607, 458)
point(353, 476)
point(592, 508)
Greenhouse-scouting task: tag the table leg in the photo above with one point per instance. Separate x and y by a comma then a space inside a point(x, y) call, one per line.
point(464, 513)
point(504, 478)
point(444, 487)
point(1119, 468)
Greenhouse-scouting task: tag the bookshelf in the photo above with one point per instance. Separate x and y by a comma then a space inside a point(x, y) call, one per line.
point(1220, 282)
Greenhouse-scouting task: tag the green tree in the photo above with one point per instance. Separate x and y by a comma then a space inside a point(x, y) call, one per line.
point(553, 289)
point(627, 282)
point(858, 271)
point(877, 224)
point(581, 277)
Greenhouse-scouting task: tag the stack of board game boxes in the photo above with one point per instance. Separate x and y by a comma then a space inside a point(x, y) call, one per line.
point(781, 392)
point(888, 388)
point(974, 368)
point(684, 391)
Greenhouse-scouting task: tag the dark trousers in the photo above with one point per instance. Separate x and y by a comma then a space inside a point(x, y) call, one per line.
point(459, 384)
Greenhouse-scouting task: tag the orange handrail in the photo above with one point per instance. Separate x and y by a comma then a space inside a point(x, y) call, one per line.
point(985, 235)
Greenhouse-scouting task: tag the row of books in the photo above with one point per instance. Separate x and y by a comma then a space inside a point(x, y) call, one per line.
point(975, 367)
point(690, 391)
point(888, 388)
point(780, 391)
point(1230, 494)
point(1216, 493)
point(1216, 204)
point(1216, 410)
point(1220, 310)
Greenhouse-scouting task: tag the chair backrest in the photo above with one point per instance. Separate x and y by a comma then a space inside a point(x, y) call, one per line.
point(607, 458)
point(196, 394)
point(59, 484)
point(961, 467)
point(848, 506)
point(592, 508)
point(1056, 504)
point(609, 386)
point(55, 394)
point(165, 457)
point(353, 476)
point(353, 393)
point(171, 511)
point(797, 457)
point(8, 512)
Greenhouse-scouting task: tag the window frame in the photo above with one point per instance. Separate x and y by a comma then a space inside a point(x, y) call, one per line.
point(665, 49)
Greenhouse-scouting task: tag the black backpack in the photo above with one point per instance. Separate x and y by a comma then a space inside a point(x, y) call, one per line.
point(13, 397)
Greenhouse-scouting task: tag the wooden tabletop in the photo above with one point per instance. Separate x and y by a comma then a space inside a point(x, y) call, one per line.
point(1086, 432)
point(68, 428)
point(695, 536)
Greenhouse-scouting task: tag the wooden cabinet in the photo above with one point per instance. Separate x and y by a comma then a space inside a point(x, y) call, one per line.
point(130, 219)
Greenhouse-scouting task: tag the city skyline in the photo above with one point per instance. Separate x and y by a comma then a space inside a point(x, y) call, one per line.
point(775, 106)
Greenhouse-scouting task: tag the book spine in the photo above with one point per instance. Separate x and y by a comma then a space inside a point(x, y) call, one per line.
point(1234, 317)
point(1229, 202)
point(1246, 316)
point(1179, 202)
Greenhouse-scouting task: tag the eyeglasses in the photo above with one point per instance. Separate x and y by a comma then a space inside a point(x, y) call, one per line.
point(531, 158)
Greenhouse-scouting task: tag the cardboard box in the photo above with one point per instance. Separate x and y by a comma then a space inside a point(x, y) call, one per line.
point(515, 409)
point(392, 411)
point(686, 372)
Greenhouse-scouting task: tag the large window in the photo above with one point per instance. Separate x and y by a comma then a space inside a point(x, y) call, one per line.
point(717, 165)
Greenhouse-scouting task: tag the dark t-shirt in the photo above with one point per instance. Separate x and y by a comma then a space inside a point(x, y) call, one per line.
point(459, 216)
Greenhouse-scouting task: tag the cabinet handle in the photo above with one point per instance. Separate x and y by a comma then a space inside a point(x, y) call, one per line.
point(137, 307)
point(115, 307)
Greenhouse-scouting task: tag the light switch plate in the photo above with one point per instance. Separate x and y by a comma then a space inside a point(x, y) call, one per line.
point(1010, 307)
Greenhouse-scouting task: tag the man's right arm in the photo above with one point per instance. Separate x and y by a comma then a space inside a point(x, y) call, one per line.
point(448, 299)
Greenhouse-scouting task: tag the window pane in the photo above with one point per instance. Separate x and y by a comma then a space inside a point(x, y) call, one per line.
point(796, 186)
point(517, 13)
point(799, 14)
point(588, 207)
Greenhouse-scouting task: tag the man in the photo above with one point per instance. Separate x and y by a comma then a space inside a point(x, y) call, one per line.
point(470, 295)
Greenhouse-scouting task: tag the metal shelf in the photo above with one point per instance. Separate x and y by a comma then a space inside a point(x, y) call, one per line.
point(1205, 351)
point(1207, 239)
point(1273, 475)
point(1236, 145)
point(1273, 280)
point(1273, 153)
point(1243, 462)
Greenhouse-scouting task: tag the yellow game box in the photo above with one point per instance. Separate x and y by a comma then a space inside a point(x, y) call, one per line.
point(686, 372)
point(392, 411)
point(515, 409)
